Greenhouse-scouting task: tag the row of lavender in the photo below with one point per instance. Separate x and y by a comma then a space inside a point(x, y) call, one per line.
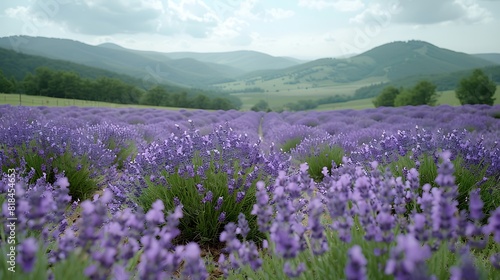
point(134, 153)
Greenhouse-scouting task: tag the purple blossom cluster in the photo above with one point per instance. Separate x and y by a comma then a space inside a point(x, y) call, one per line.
point(125, 150)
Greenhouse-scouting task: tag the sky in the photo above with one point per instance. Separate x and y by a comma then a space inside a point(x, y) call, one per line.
point(304, 29)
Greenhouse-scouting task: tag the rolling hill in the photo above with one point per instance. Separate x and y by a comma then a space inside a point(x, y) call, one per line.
point(17, 65)
point(493, 57)
point(182, 69)
point(392, 61)
point(246, 61)
point(121, 61)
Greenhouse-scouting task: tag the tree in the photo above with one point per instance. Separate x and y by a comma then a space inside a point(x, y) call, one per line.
point(476, 89)
point(6, 85)
point(423, 93)
point(386, 97)
point(156, 96)
point(201, 101)
point(260, 106)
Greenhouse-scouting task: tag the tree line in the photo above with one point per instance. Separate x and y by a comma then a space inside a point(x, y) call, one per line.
point(68, 84)
point(477, 88)
point(474, 89)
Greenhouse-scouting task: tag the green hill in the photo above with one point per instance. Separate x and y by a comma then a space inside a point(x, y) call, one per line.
point(158, 68)
point(187, 69)
point(404, 59)
point(246, 61)
point(17, 65)
point(493, 57)
point(392, 61)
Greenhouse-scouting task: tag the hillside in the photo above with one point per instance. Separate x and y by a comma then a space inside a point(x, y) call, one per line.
point(391, 61)
point(493, 57)
point(404, 59)
point(17, 65)
point(246, 61)
point(179, 69)
point(122, 61)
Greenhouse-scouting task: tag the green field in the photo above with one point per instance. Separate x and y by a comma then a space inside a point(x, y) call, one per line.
point(278, 99)
point(31, 100)
point(275, 100)
point(277, 92)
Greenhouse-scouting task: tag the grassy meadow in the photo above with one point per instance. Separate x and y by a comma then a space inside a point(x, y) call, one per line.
point(278, 99)
point(277, 92)
point(33, 100)
point(274, 99)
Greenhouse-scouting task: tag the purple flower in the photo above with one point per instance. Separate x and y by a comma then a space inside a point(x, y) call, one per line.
point(155, 214)
point(261, 209)
point(318, 239)
point(356, 265)
point(222, 217)
point(407, 257)
point(243, 227)
point(444, 219)
point(27, 254)
point(249, 254)
point(476, 205)
point(240, 196)
point(194, 267)
point(493, 226)
point(287, 243)
point(466, 270)
point(208, 197)
point(62, 182)
point(292, 273)
point(229, 236)
point(219, 203)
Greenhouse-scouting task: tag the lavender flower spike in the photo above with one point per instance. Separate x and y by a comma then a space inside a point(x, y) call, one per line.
point(194, 266)
point(356, 266)
point(27, 254)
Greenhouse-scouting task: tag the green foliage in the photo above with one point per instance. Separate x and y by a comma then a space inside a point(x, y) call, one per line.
point(476, 89)
point(6, 85)
point(291, 144)
point(201, 218)
point(129, 151)
point(76, 169)
point(386, 97)
point(72, 268)
point(39, 270)
point(467, 177)
point(301, 105)
point(324, 158)
point(261, 106)
point(61, 84)
point(423, 93)
point(332, 264)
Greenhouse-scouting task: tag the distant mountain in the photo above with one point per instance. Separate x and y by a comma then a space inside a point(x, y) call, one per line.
point(17, 65)
point(388, 62)
point(493, 57)
point(404, 59)
point(188, 69)
point(244, 60)
point(158, 69)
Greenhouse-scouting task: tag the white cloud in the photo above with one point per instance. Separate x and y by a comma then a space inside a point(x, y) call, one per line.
point(424, 12)
point(277, 14)
point(340, 5)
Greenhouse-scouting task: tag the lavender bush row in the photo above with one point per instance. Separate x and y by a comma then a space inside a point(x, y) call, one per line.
point(112, 193)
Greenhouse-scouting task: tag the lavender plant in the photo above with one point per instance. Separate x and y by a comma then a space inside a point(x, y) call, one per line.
point(213, 176)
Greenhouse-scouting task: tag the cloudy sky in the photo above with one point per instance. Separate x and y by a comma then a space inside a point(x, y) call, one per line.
point(306, 29)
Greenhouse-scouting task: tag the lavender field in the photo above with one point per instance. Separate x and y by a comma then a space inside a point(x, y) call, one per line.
point(386, 193)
